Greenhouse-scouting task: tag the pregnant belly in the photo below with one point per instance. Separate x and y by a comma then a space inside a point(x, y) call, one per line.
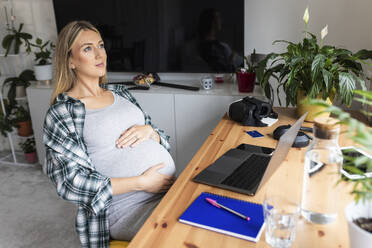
point(129, 162)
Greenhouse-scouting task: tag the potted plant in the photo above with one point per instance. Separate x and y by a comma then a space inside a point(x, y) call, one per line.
point(5, 125)
point(21, 119)
point(17, 86)
point(29, 149)
point(15, 39)
point(359, 212)
point(310, 69)
point(246, 76)
point(44, 68)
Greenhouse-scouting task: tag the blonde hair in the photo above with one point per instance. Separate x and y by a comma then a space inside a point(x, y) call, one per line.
point(64, 77)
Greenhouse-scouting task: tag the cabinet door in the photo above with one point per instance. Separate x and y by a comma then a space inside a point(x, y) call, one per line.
point(161, 109)
point(39, 102)
point(196, 117)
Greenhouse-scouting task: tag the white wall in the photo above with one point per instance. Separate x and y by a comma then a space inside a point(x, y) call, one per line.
point(349, 25)
point(348, 22)
point(38, 18)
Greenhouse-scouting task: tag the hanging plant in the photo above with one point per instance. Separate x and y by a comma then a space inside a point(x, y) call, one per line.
point(16, 38)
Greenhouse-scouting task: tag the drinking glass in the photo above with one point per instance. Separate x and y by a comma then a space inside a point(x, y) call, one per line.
point(281, 217)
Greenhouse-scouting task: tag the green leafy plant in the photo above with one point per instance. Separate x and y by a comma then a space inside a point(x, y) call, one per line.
point(314, 69)
point(362, 137)
point(250, 66)
point(28, 146)
point(5, 125)
point(18, 114)
point(43, 55)
point(17, 37)
point(23, 79)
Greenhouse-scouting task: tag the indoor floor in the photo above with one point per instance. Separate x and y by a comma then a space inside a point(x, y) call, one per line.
point(31, 214)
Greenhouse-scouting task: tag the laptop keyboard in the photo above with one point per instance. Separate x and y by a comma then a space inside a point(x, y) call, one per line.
point(249, 173)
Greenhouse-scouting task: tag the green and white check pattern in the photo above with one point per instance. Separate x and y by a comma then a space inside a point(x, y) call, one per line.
point(71, 170)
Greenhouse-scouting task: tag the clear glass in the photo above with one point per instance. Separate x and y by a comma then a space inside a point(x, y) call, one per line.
point(281, 217)
point(323, 161)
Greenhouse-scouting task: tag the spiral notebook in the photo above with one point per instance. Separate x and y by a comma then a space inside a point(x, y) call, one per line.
point(202, 214)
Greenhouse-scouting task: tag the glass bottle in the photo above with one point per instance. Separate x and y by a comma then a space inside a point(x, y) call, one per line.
point(323, 161)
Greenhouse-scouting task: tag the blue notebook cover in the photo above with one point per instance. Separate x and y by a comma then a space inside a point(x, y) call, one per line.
point(203, 214)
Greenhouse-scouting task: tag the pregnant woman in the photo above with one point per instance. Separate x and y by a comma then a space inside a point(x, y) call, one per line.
point(102, 151)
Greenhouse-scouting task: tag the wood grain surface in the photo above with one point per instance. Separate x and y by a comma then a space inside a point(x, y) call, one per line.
point(162, 228)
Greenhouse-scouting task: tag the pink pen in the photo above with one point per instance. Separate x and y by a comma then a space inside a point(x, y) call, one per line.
point(216, 204)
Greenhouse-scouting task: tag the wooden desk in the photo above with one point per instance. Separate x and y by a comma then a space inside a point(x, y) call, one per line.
point(162, 229)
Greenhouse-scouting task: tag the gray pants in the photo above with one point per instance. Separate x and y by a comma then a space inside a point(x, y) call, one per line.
point(127, 224)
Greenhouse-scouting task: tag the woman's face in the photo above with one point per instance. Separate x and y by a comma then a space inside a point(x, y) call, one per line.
point(88, 55)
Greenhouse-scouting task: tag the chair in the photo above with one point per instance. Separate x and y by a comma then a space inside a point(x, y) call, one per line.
point(118, 244)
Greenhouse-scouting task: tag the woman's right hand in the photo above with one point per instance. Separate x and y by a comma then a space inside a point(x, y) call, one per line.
point(154, 182)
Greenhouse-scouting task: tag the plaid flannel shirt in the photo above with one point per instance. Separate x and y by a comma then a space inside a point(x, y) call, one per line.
point(71, 170)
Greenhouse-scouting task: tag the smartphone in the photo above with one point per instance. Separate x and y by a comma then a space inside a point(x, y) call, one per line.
point(256, 149)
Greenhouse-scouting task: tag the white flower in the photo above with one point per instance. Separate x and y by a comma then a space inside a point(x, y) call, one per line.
point(324, 32)
point(306, 15)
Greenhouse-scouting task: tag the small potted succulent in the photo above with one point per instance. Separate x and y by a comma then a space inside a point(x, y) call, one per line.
point(311, 70)
point(246, 76)
point(21, 119)
point(359, 212)
point(43, 57)
point(29, 149)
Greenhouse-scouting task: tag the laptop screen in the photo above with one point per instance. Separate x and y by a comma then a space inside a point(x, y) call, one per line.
point(282, 149)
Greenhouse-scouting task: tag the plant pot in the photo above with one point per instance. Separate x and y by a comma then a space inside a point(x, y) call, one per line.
point(245, 81)
point(31, 157)
point(43, 72)
point(20, 91)
point(24, 128)
point(359, 238)
point(13, 64)
point(302, 108)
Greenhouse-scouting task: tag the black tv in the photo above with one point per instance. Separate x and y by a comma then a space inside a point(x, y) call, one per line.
point(164, 35)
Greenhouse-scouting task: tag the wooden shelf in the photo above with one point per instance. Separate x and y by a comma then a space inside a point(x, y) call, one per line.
point(24, 98)
point(12, 157)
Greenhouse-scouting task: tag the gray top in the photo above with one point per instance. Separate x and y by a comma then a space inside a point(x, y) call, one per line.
point(102, 128)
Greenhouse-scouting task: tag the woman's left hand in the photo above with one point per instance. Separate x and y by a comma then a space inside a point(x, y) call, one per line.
point(136, 135)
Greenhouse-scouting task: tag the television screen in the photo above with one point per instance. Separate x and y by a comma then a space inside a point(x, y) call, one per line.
point(164, 35)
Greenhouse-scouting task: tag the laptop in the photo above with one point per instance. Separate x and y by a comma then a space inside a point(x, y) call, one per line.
point(246, 168)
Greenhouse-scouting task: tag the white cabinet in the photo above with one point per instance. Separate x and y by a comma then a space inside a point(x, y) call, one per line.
point(196, 117)
point(38, 103)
